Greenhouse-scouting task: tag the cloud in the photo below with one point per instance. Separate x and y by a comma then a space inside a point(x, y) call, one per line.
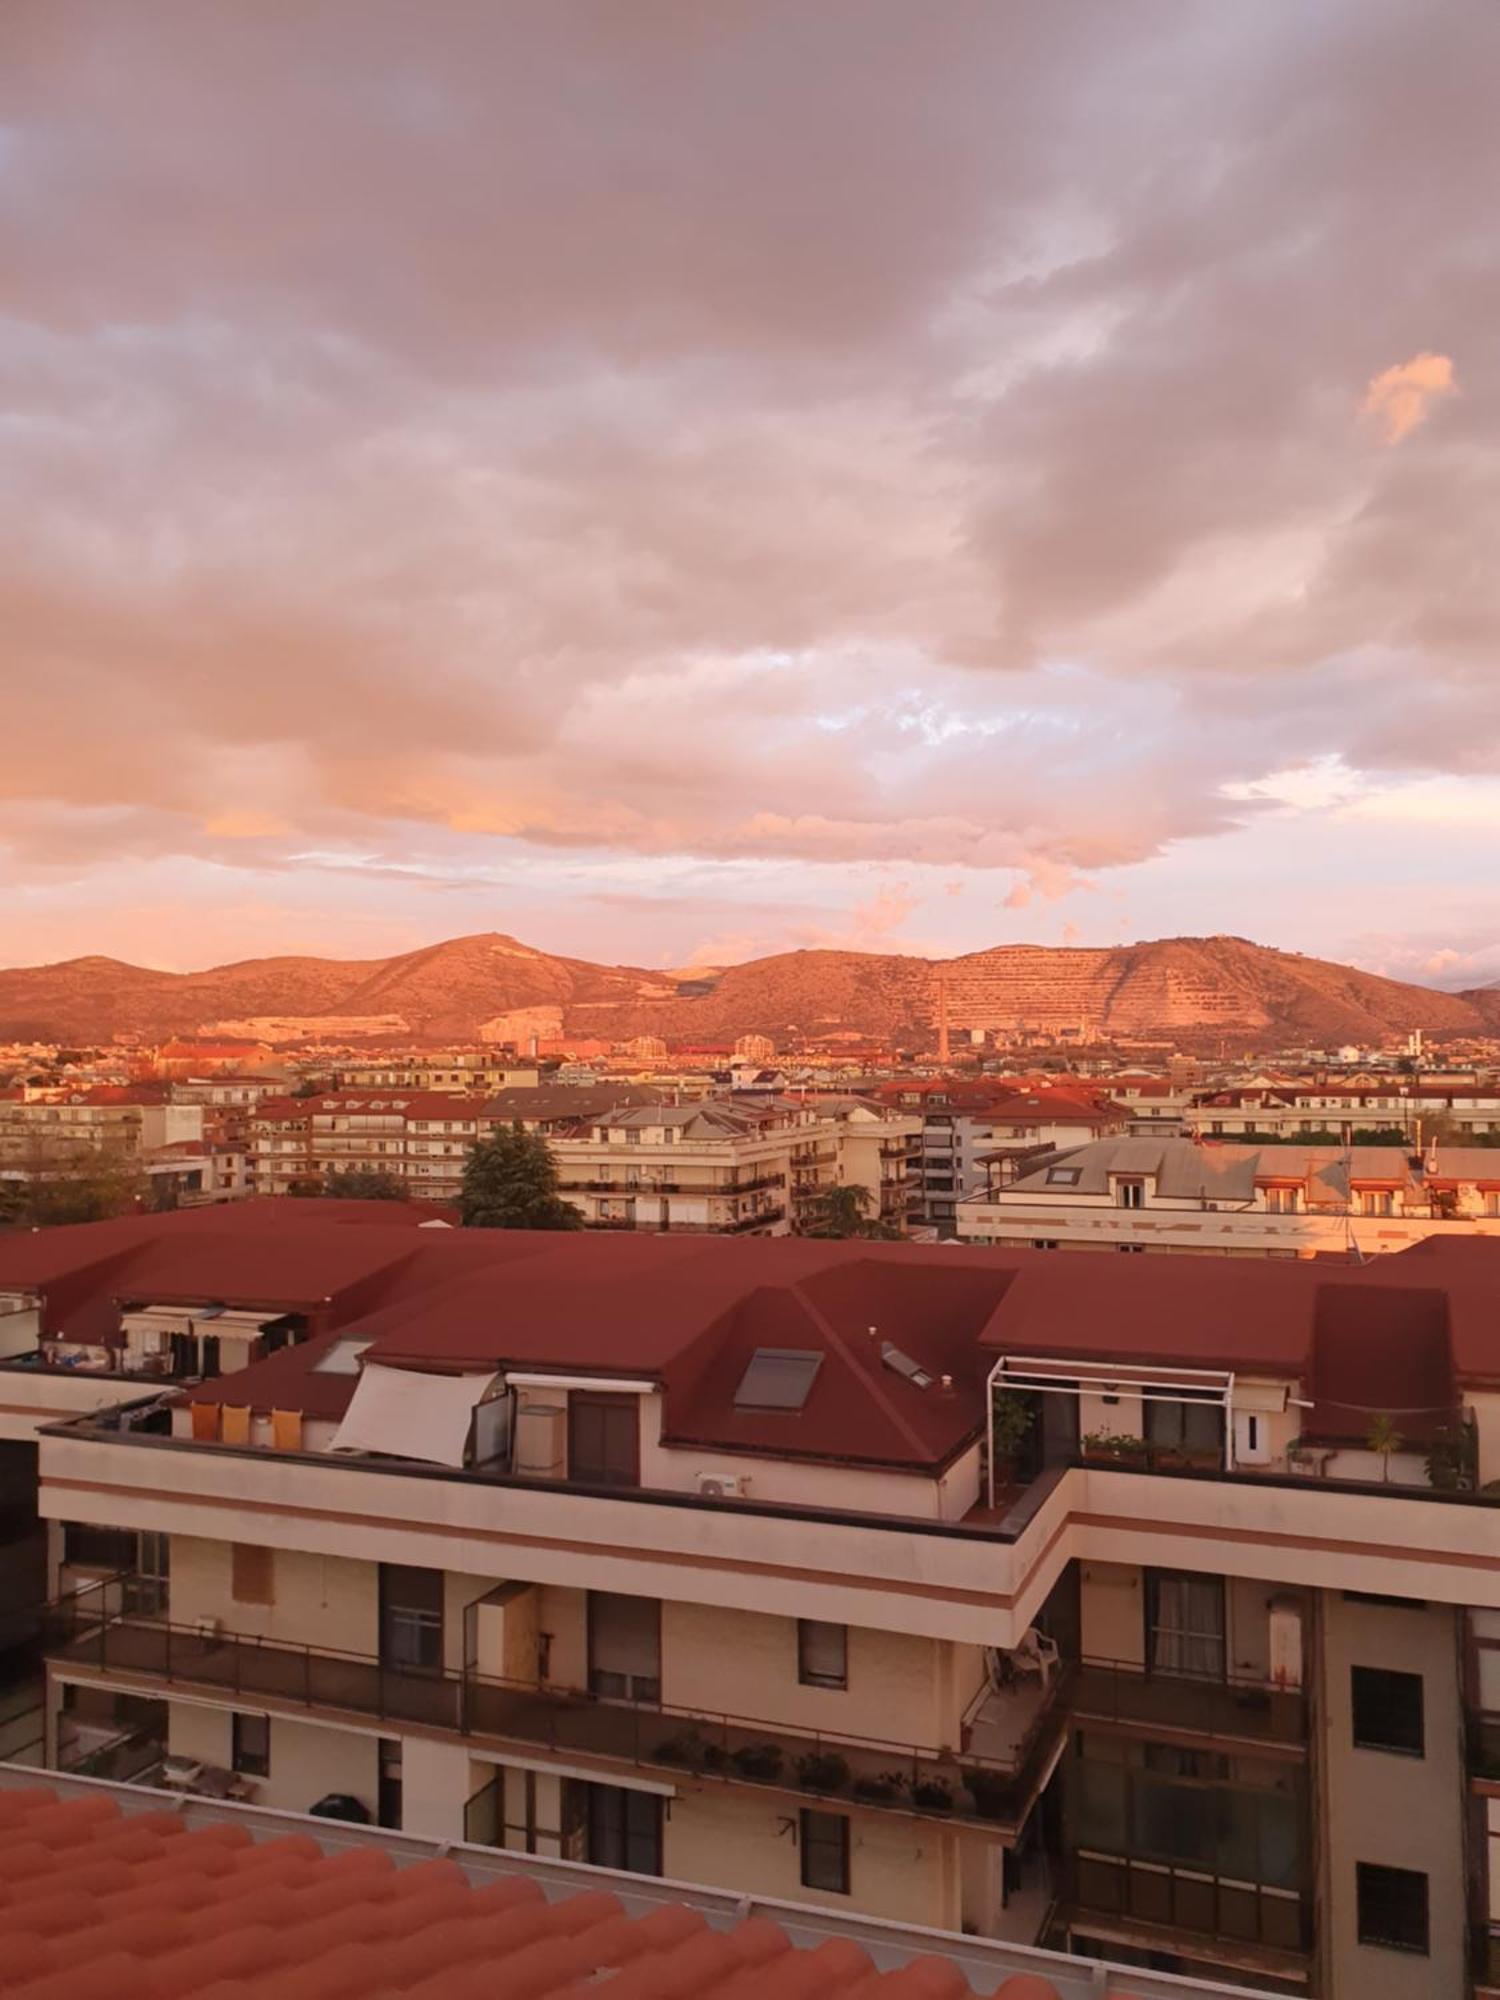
point(1399, 398)
point(516, 467)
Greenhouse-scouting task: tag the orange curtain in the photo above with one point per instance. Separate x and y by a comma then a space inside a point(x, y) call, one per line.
point(286, 1430)
point(236, 1425)
point(205, 1422)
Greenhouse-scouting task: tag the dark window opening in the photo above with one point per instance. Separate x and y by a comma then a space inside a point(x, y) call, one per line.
point(624, 1829)
point(250, 1753)
point(1387, 1710)
point(624, 1646)
point(411, 1618)
point(1392, 1907)
point(604, 1440)
point(825, 1852)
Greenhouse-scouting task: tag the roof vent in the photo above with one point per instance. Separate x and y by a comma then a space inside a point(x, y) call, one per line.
point(915, 1373)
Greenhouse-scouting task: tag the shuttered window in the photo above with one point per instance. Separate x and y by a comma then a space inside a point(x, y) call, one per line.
point(822, 1653)
point(254, 1574)
point(624, 1646)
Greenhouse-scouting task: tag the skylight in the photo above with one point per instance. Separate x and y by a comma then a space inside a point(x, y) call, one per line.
point(778, 1378)
point(1064, 1176)
point(897, 1358)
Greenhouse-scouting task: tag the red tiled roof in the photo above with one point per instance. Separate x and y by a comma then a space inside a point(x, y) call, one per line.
point(97, 1904)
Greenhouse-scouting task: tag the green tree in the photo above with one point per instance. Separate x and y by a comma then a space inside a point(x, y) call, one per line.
point(510, 1182)
point(83, 1186)
point(363, 1184)
point(845, 1212)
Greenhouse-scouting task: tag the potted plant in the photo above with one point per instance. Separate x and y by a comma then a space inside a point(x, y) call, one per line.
point(821, 1771)
point(1384, 1438)
point(1012, 1418)
point(757, 1760)
point(881, 1789)
point(932, 1795)
point(989, 1792)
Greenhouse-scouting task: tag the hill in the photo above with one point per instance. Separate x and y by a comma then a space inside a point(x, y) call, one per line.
point(492, 986)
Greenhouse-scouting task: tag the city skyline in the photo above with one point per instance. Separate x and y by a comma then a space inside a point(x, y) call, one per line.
point(785, 478)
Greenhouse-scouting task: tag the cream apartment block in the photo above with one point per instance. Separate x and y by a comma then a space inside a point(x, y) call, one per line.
point(1295, 1110)
point(1045, 1599)
point(627, 1158)
point(741, 1165)
point(1218, 1199)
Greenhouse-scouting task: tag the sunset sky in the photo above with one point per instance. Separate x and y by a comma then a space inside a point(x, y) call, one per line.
point(681, 479)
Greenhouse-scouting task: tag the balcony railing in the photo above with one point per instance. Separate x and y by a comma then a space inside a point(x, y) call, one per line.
point(1004, 1752)
point(1228, 1706)
point(1172, 1896)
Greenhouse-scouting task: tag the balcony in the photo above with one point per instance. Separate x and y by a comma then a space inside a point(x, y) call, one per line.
point(1006, 1741)
point(1250, 1924)
point(1234, 1709)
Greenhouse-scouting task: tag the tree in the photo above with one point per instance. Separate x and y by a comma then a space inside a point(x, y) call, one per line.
point(61, 1187)
point(510, 1182)
point(844, 1212)
point(363, 1184)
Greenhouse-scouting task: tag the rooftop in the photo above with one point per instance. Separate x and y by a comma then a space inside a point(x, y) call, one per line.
point(112, 1892)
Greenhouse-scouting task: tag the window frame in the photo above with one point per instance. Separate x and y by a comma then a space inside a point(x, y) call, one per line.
point(249, 1763)
point(808, 1675)
point(819, 1843)
point(1372, 1897)
point(1371, 1677)
point(618, 1418)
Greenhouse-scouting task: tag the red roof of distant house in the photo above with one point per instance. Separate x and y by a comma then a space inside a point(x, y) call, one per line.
point(101, 1904)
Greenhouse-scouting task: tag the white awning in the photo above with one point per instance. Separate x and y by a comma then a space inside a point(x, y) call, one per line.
point(410, 1414)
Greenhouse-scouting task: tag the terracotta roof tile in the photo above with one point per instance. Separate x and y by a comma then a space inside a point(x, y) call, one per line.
point(89, 1915)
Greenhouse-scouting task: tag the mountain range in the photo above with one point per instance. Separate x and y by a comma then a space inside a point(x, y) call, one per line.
point(491, 987)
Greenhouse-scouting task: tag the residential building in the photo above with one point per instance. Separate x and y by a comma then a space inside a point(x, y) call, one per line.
point(1180, 1197)
point(462, 1070)
point(1296, 1109)
point(966, 1124)
point(1051, 1601)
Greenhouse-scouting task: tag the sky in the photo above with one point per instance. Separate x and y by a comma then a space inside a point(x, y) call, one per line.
point(677, 482)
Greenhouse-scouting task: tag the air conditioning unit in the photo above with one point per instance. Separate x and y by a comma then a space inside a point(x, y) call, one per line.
point(723, 1485)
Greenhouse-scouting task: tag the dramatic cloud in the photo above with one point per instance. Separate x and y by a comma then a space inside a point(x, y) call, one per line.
point(495, 463)
point(1399, 398)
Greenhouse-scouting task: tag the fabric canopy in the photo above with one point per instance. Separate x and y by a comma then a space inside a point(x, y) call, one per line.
point(411, 1415)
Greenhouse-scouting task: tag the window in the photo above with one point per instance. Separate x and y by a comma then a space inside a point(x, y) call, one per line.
point(1195, 1423)
point(822, 1654)
point(604, 1440)
point(1282, 1201)
point(778, 1378)
point(1377, 1202)
point(1387, 1710)
point(1064, 1176)
point(250, 1751)
point(411, 1618)
point(1392, 1907)
point(98, 1548)
point(1131, 1249)
point(624, 1646)
point(253, 1574)
point(1131, 1194)
point(825, 1852)
point(1185, 1623)
point(624, 1829)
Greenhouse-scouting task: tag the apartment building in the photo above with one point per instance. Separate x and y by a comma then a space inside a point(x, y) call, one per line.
point(969, 1124)
point(627, 1157)
point(466, 1071)
point(1046, 1600)
point(1190, 1199)
point(126, 1120)
point(1295, 1109)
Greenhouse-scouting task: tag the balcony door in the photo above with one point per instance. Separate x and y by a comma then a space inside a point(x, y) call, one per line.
point(411, 1619)
point(624, 1647)
point(604, 1439)
point(623, 1829)
point(1185, 1624)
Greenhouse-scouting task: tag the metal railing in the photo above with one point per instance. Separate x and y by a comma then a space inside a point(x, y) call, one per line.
point(962, 1783)
point(1228, 1705)
point(1176, 1896)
